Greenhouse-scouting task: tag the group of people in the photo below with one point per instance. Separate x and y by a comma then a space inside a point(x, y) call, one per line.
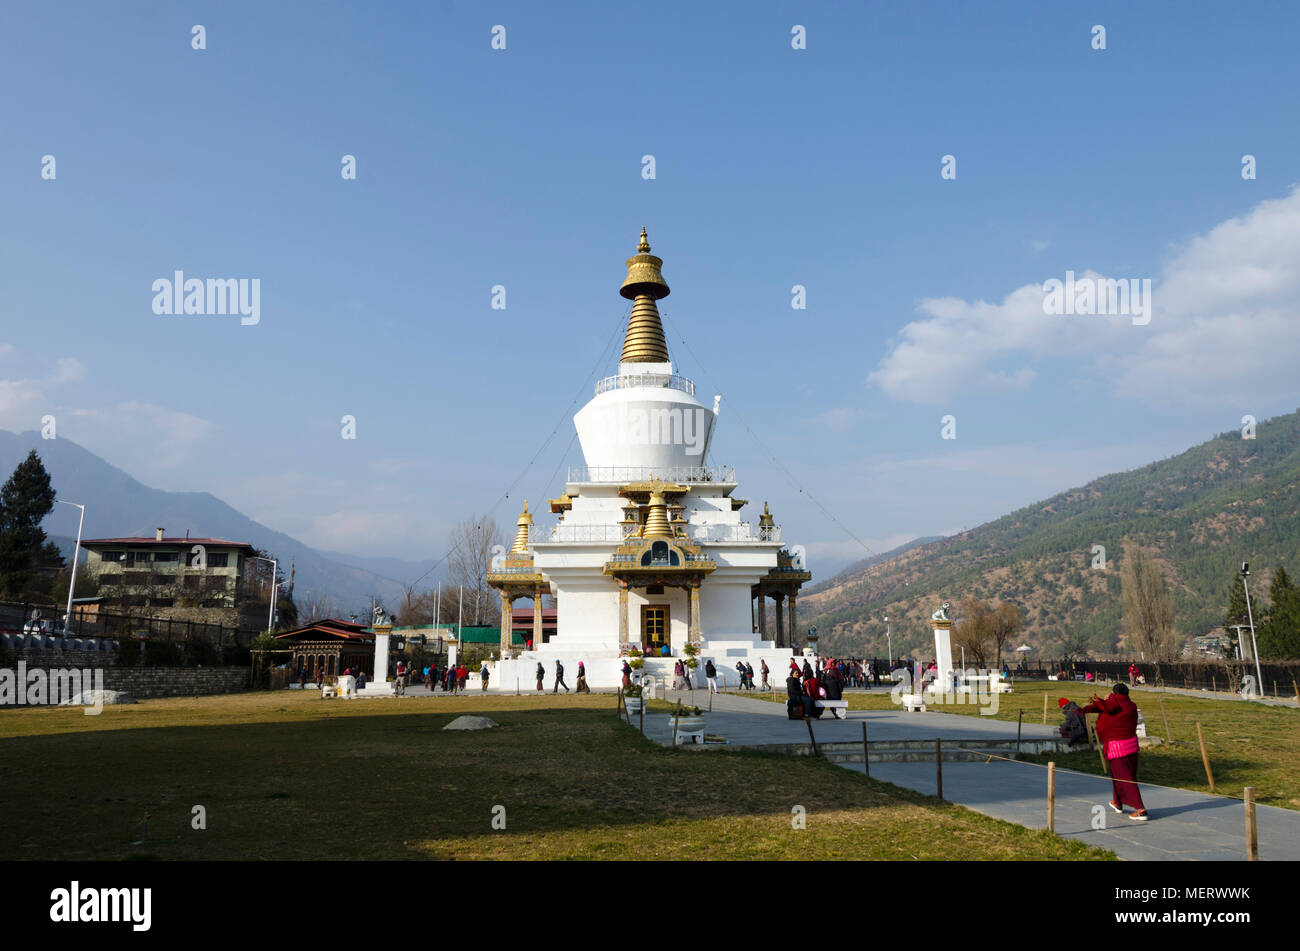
point(805, 686)
point(580, 686)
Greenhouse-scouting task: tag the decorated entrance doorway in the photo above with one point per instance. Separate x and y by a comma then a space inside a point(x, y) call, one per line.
point(654, 627)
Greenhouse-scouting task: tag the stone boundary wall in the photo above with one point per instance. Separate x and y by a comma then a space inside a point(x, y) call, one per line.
point(144, 683)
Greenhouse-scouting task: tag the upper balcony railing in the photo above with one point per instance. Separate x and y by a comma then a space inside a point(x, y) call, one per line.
point(680, 474)
point(702, 534)
point(624, 380)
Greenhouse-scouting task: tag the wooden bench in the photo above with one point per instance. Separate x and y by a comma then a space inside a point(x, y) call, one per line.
point(840, 708)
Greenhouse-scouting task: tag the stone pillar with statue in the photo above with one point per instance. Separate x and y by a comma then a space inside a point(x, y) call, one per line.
point(942, 625)
point(383, 629)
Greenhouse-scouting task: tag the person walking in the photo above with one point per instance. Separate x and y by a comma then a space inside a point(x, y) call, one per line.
point(763, 671)
point(582, 679)
point(1117, 718)
point(399, 680)
point(559, 677)
point(711, 675)
point(541, 675)
point(483, 676)
point(627, 675)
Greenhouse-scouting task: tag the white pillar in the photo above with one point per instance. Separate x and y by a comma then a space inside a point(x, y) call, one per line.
point(943, 653)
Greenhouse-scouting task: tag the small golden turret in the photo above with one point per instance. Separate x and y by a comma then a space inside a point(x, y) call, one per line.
point(765, 520)
point(521, 533)
point(656, 520)
point(644, 341)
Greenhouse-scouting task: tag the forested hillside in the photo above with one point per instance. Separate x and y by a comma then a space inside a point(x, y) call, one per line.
point(1202, 513)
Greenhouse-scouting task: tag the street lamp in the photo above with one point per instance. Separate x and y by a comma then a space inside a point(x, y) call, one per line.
point(270, 611)
point(1250, 616)
point(890, 637)
point(76, 554)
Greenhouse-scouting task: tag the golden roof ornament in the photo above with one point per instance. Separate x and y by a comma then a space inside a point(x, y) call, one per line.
point(765, 520)
point(656, 520)
point(644, 341)
point(521, 532)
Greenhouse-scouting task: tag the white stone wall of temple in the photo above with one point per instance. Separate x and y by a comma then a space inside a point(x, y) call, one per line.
point(659, 428)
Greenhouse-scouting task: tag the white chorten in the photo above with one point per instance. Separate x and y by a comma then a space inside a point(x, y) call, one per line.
point(650, 548)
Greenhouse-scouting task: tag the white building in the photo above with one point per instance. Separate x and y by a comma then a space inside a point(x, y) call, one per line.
point(650, 548)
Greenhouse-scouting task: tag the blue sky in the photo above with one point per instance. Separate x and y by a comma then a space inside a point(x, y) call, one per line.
point(522, 167)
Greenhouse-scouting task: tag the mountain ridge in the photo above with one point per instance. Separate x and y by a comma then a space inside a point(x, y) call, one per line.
point(117, 504)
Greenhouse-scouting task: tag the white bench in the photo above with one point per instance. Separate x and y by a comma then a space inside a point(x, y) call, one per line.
point(328, 691)
point(840, 708)
point(912, 702)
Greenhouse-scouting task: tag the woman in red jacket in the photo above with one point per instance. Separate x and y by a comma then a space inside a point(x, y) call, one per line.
point(1117, 718)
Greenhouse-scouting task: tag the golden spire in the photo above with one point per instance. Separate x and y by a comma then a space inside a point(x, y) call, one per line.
point(644, 341)
point(521, 533)
point(656, 520)
point(765, 520)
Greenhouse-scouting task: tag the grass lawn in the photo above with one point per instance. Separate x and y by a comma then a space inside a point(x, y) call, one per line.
point(285, 775)
point(1249, 744)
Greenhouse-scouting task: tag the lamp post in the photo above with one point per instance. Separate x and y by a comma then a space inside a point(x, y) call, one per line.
point(270, 612)
point(1250, 616)
point(890, 638)
point(76, 554)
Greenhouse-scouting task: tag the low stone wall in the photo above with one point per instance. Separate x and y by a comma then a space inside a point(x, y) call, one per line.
point(144, 683)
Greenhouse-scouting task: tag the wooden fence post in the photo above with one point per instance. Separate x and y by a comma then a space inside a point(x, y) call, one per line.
point(866, 766)
point(1205, 757)
point(1044, 708)
point(676, 716)
point(1051, 797)
point(1096, 742)
point(938, 765)
point(1252, 834)
point(1169, 736)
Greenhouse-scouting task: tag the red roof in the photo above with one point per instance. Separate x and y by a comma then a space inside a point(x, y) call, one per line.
point(346, 630)
point(151, 540)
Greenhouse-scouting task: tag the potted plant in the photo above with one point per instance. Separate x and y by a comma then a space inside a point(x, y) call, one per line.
point(633, 699)
point(687, 720)
point(637, 660)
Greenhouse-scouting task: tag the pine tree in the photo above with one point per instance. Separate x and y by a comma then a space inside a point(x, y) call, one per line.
point(1279, 636)
point(24, 501)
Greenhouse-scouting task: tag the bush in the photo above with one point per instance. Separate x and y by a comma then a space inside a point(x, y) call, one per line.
point(202, 653)
point(162, 654)
point(632, 691)
point(128, 650)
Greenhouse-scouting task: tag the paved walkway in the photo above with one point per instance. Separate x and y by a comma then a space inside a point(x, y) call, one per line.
point(747, 721)
point(1184, 825)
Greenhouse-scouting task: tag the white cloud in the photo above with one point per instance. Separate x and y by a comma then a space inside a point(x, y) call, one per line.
point(1039, 246)
point(21, 405)
point(145, 439)
point(1225, 308)
point(68, 370)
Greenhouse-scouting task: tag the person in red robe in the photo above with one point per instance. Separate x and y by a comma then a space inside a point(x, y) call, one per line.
point(1117, 718)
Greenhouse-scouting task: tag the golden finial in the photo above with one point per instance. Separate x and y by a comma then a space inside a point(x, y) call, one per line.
point(521, 532)
point(765, 520)
point(644, 341)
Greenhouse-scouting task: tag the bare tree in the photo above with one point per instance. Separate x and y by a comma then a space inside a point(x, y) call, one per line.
point(318, 606)
point(417, 607)
point(472, 543)
point(1147, 606)
point(972, 631)
point(1004, 621)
